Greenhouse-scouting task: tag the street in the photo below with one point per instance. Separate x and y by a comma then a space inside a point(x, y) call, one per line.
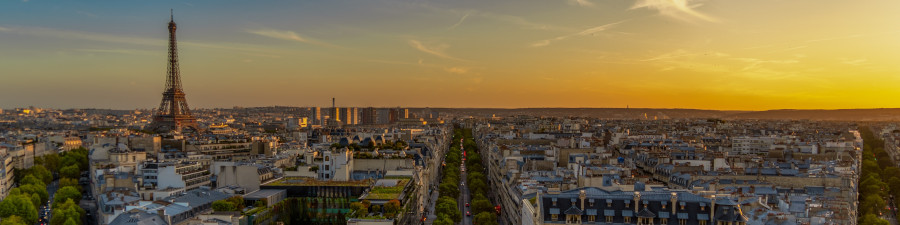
point(463, 191)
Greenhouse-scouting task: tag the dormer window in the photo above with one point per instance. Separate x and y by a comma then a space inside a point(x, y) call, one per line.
point(609, 203)
point(554, 201)
point(664, 205)
point(591, 202)
point(627, 203)
point(682, 205)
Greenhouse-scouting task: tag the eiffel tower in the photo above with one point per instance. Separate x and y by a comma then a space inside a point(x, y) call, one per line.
point(173, 113)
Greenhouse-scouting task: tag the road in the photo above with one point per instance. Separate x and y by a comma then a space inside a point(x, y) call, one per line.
point(463, 190)
point(51, 190)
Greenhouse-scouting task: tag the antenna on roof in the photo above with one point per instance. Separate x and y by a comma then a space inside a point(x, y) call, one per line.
point(172, 14)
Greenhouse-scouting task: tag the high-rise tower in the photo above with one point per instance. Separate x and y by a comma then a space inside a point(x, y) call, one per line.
point(173, 113)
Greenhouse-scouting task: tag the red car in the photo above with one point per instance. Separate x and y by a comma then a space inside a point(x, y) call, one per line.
point(467, 204)
point(468, 213)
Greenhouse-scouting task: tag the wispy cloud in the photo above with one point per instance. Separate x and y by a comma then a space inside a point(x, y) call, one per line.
point(678, 9)
point(855, 62)
point(460, 21)
point(684, 53)
point(754, 63)
point(121, 51)
point(518, 21)
point(83, 13)
point(588, 31)
point(581, 2)
point(435, 50)
point(67, 34)
point(288, 35)
point(100, 37)
point(457, 70)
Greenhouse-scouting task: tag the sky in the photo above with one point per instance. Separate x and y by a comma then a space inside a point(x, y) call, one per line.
point(704, 54)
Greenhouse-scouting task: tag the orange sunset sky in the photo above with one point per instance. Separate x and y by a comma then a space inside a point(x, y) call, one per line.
point(713, 54)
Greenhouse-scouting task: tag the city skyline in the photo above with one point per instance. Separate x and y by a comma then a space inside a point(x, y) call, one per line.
point(499, 54)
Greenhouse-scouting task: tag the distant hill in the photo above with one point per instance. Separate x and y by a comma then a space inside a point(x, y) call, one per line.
point(822, 114)
point(646, 113)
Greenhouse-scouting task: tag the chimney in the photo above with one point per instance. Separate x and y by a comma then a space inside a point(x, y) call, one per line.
point(712, 208)
point(162, 213)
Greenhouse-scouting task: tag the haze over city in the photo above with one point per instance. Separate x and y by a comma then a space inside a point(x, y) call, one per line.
point(733, 55)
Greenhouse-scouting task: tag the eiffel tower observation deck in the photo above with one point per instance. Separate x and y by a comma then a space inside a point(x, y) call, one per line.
point(173, 113)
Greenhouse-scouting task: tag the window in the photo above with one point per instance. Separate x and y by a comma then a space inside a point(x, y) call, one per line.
point(609, 219)
point(703, 222)
point(627, 219)
point(663, 221)
point(682, 221)
point(592, 218)
point(554, 217)
point(327, 167)
point(327, 158)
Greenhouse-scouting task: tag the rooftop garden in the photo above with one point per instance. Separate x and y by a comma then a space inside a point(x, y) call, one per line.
point(303, 181)
point(379, 192)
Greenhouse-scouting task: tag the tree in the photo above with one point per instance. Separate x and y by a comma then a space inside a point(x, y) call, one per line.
point(376, 208)
point(443, 219)
point(66, 211)
point(485, 218)
point(36, 199)
point(66, 193)
point(871, 204)
point(391, 208)
point(482, 205)
point(358, 210)
point(237, 200)
point(449, 189)
point(30, 179)
point(70, 171)
point(448, 206)
point(366, 203)
point(66, 182)
point(872, 219)
point(51, 162)
point(32, 189)
point(42, 173)
point(12, 220)
point(223, 206)
point(19, 205)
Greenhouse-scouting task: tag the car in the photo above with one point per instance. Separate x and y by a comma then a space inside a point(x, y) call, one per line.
point(468, 213)
point(467, 204)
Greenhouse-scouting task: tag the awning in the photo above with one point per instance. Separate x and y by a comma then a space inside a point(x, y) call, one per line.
point(609, 212)
point(627, 213)
point(554, 210)
point(682, 216)
point(591, 212)
point(664, 215)
point(702, 216)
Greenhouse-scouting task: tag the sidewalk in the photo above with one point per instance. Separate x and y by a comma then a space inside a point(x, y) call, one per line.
point(431, 216)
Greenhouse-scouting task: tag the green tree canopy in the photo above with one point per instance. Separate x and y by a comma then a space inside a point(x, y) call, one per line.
point(70, 171)
point(19, 205)
point(223, 206)
point(12, 220)
point(66, 193)
point(485, 218)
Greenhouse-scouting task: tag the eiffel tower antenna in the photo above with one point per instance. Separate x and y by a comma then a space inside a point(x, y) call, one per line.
point(173, 113)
